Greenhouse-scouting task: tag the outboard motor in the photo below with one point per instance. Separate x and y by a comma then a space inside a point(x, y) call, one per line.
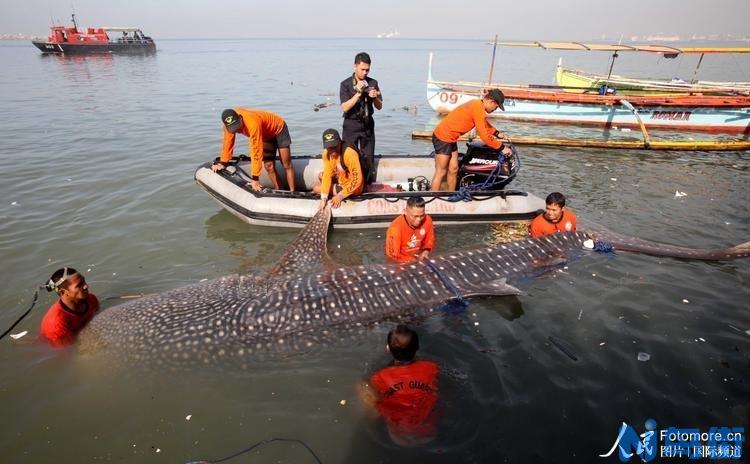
point(484, 168)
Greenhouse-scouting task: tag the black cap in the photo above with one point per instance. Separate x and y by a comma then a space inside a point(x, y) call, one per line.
point(231, 120)
point(497, 95)
point(331, 138)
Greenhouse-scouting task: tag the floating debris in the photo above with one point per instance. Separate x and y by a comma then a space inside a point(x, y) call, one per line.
point(643, 357)
point(320, 106)
point(685, 300)
point(18, 335)
point(188, 417)
point(602, 343)
point(507, 232)
point(559, 344)
point(342, 402)
point(678, 194)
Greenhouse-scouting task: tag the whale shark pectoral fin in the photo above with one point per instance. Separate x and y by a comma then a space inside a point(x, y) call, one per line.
point(499, 287)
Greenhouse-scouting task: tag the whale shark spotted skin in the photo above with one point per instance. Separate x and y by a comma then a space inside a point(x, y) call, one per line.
point(237, 316)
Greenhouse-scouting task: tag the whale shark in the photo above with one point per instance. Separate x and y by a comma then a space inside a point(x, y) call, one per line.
point(304, 296)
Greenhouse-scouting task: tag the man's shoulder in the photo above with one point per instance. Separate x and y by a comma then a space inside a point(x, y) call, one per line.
point(347, 82)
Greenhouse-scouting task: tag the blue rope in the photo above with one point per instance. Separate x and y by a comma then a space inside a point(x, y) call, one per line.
point(448, 284)
point(464, 193)
point(603, 247)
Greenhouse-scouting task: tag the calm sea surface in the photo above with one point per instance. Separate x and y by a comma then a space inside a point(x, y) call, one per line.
point(96, 159)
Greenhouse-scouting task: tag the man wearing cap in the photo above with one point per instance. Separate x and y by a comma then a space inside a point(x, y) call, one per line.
point(359, 93)
point(341, 170)
point(266, 132)
point(458, 122)
point(73, 310)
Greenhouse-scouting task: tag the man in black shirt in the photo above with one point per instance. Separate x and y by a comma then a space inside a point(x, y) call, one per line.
point(359, 94)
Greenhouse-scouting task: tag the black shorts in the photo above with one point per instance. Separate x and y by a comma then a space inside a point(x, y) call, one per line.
point(282, 140)
point(443, 148)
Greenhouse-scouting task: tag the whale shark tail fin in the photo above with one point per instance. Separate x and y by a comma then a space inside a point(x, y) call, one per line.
point(308, 248)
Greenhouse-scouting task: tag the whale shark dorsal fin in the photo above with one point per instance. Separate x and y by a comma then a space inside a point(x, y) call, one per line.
point(307, 249)
point(499, 287)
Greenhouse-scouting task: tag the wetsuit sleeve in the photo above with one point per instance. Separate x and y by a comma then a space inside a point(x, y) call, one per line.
point(485, 130)
point(355, 179)
point(255, 146)
point(227, 148)
point(393, 242)
point(429, 239)
point(327, 179)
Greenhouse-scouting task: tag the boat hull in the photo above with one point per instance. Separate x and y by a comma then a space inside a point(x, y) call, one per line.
point(538, 106)
point(369, 210)
point(82, 49)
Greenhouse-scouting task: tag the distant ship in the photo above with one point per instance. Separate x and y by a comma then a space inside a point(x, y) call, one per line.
point(389, 35)
point(96, 40)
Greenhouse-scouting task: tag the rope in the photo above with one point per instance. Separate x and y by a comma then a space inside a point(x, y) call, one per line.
point(36, 296)
point(260, 443)
point(448, 284)
point(603, 247)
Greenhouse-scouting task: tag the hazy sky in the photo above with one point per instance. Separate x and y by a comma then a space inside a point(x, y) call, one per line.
point(519, 19)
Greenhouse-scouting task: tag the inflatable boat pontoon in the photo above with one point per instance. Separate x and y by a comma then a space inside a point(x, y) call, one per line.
point(398, 178)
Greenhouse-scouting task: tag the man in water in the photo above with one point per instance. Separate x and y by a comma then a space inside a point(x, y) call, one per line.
point(266, 133)
point(458, 122)
point(72, 311)
point(554, 219)
point(341, 170)
point(411, 235)
point(405, 392)
point(359, 93)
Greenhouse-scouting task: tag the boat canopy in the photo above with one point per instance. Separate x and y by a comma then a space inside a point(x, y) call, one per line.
point(664, 49)
point(122, 29)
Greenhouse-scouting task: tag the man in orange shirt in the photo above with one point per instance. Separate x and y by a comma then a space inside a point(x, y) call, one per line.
point(458, 122)
point(73, 310)
point(266, 132)
point(405, 393)
point(341, 171)
point(411, 235)
point(554, 219)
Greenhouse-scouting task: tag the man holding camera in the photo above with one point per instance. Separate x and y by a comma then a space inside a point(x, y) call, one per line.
point(359, 94)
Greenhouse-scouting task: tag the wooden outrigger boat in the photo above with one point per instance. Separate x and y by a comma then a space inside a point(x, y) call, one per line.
point(574, 80)
point(650, 144)
point(550, 104)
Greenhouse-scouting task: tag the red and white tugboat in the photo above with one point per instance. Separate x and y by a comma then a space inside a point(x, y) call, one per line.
point(96, 40)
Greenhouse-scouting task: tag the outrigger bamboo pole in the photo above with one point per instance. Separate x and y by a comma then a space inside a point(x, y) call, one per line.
point(675, 145)
point(492, 64)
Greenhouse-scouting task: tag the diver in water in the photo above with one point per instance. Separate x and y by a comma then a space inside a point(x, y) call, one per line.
point(72, 311)
point(405, 392)
point(556, 218)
